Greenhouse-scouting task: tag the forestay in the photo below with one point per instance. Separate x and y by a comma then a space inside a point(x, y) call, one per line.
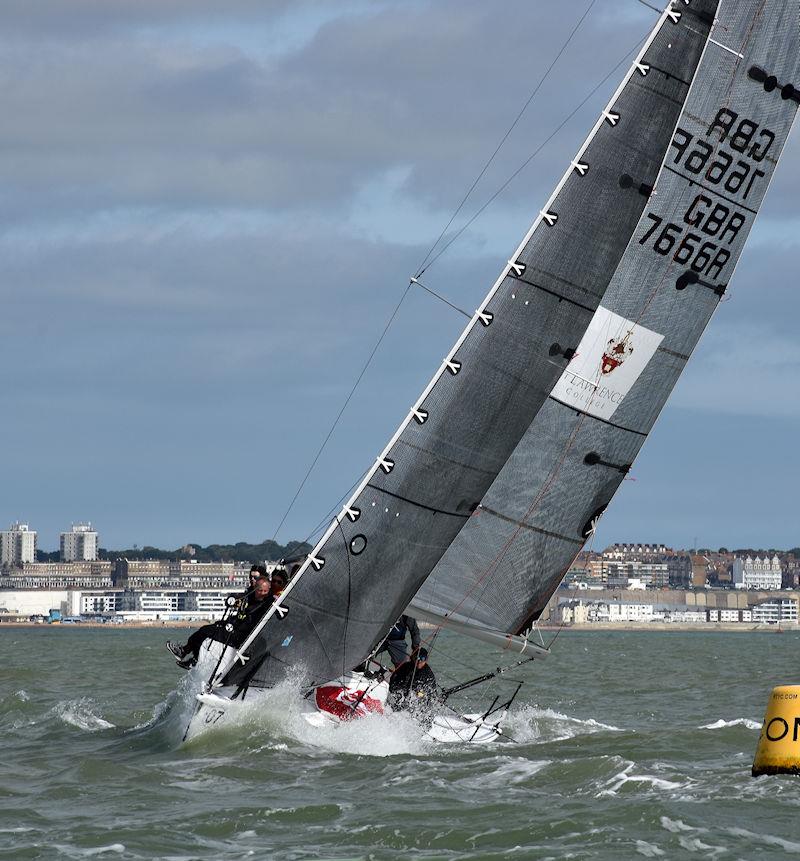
point(511, 555)
point(443, 459)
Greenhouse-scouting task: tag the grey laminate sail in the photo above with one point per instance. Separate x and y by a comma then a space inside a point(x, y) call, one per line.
point(511, 555)
point(439, 465)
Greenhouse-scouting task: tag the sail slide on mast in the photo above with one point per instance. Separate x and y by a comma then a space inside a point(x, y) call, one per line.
point(510, 557)
point(433, 474)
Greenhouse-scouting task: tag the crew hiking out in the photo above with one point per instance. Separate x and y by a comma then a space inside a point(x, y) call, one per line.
point(234, 630)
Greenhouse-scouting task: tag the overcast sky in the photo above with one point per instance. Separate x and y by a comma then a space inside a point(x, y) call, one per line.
point(208, 211)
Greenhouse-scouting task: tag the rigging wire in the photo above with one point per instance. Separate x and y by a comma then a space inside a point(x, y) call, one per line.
point(423, 266)
point(441, 298)
point(527, 161)
point(344, 407)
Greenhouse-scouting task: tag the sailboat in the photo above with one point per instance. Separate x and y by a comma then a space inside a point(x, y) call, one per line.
point(477, 506)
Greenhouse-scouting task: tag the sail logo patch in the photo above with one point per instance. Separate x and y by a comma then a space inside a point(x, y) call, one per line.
point(615, 353)
point(610, 358)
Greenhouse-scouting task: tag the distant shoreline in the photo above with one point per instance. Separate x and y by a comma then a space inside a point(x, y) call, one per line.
point(165, 623)
point(659, 627)
point(732, 627)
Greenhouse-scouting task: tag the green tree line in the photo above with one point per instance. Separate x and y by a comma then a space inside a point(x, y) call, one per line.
point(242, 551)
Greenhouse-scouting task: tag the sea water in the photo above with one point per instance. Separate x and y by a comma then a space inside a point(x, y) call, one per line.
point(619, 745)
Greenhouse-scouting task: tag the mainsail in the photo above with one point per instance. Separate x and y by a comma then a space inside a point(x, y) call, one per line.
point(510, 557)
point(437, 468)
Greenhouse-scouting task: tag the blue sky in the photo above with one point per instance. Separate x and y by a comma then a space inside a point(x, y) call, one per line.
point(209, 210)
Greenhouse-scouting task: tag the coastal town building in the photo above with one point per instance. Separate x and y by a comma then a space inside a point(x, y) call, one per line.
point(80, 544)
point(701, 568)
point(17, 545)
point(679, 570)
point(776, 611)
point(104, 602)
point(729, 615)
point(655, 565)
point(691, 608)
point(180, 574)
point(791, 571)
point(757, 573)
point(653, 575)
point(57, 575)
point(579, 612)
point(636, 552)
point(164, 603)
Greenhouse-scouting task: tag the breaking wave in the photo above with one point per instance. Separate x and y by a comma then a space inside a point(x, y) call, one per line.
point(90, 852)
point(530, 724)
point(723, 724)
point(81, 714)
point(278, 714)
point(619, 780)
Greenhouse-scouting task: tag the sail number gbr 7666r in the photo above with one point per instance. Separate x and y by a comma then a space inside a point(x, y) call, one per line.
point(710, 226)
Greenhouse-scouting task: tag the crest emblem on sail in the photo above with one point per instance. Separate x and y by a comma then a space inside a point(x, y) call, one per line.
point(615, 353)
point(611, 356)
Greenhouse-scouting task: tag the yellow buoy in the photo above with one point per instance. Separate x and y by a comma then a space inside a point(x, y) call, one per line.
point(778, 750)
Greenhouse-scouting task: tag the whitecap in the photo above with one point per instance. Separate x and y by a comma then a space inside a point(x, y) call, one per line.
point(677, 825)
point(506, 771)
point(722, 724)
point(532, 724)
point(786, 845)
point(101, 850)
point(77, 852)
point(22, 695)
point(695, 844)
point(614, 784)
point(81, 714)
point(649, 850)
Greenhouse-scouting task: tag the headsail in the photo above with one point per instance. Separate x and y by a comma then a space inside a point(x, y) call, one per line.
point(511, 556)
point(468, 421)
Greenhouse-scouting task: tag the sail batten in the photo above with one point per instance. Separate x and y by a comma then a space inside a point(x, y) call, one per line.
point(492, 384)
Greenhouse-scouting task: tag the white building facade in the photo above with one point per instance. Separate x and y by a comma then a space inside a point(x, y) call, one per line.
point(17, 545)
point(776, 611)
point(757, 573)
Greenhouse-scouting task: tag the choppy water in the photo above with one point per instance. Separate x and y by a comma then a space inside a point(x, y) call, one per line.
point(625, 745)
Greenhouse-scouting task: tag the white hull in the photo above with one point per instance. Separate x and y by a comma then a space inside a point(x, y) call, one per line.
point(466, 729)
point(212, 712)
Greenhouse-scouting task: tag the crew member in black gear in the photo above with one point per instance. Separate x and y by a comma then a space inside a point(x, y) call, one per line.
point(242, 623)
point(413, 685)
point(395, 642)
point(240, 599)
